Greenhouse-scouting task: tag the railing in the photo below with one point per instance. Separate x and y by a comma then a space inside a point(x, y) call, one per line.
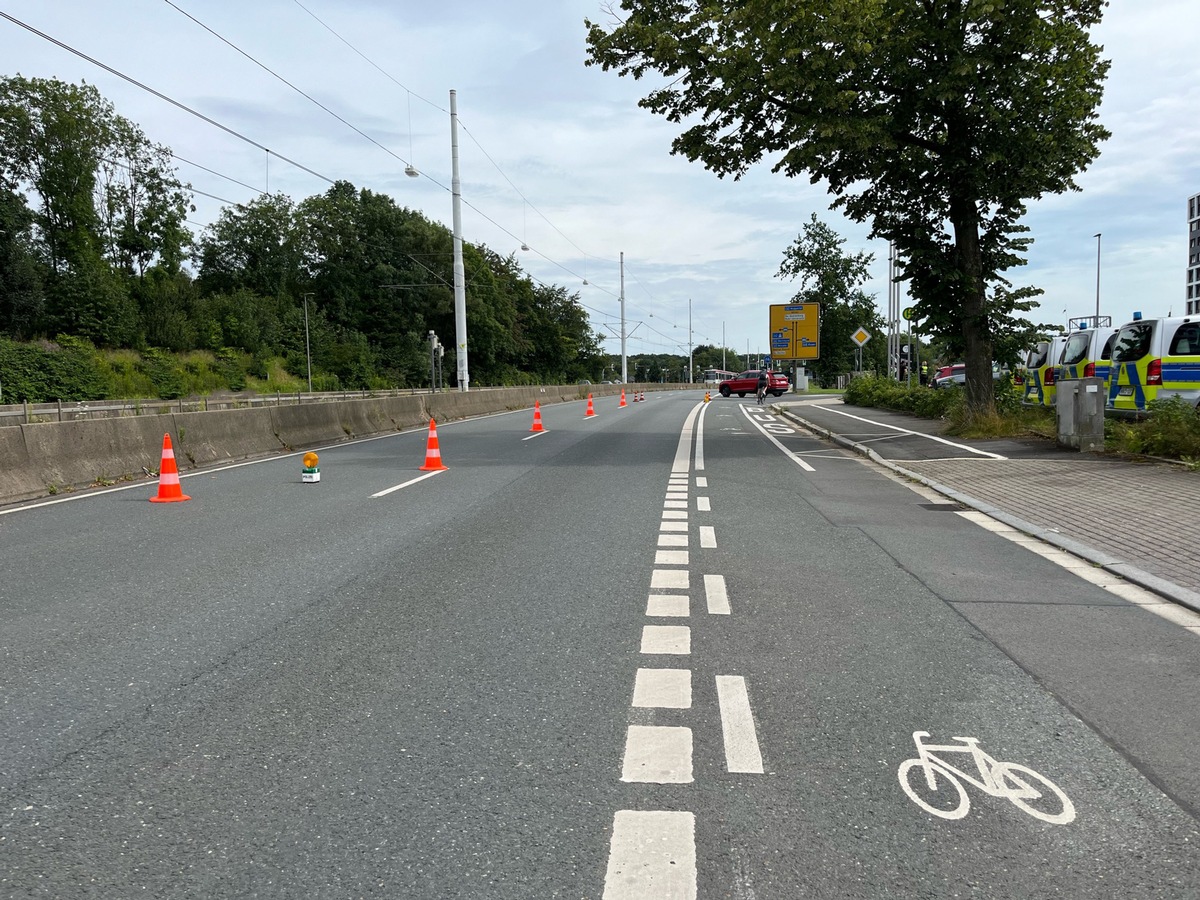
point(71, 411)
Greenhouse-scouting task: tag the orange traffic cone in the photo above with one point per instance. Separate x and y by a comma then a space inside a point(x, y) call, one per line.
point(622, 403)
point(169, 490)
point(590, 411)
point(642, 396)
point(433, 453)
point(537, 417)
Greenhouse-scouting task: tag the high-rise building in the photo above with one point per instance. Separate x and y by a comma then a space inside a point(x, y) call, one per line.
point(1193, 267)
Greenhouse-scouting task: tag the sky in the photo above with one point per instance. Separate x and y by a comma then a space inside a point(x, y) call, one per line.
point(558, 157)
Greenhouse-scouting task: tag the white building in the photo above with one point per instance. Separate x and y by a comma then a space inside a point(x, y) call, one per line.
point(1193, 267)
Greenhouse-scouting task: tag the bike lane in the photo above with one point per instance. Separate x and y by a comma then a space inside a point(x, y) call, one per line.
point(852, 600)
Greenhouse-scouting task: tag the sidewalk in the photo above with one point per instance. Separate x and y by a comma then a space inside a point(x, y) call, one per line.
point(1136, 519)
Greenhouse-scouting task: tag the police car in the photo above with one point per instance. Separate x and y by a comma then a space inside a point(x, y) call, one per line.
point(1087, 354)
point(1153, 359)
point(1040, 365)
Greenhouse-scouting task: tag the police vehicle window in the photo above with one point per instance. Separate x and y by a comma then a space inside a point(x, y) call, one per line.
point(1186, 341)
point(1037, 356)
point(1076, 349)
point(1106, 353)
point(1133, 342)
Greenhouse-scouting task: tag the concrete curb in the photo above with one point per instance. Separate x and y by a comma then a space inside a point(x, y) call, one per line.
point(1153, 583)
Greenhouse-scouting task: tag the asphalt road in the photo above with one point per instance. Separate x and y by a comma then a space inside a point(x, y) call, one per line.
point(674, 650)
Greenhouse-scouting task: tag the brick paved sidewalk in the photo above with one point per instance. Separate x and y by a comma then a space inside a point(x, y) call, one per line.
point(1136, 518)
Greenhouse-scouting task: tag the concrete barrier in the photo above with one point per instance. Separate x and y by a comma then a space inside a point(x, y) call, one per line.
point(18, 478)
point(76, 454)
point(223, 435)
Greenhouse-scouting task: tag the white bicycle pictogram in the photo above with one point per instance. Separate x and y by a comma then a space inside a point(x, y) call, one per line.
point(1026, 789)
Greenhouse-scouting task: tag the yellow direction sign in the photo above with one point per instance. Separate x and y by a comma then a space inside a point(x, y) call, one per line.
point(795, 330)
point(861, 336)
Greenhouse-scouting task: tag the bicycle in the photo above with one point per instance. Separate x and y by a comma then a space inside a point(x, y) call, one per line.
point(1020, 785)
point(761, 394)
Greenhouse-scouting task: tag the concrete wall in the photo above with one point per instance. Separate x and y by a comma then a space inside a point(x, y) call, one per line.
point(37, 460)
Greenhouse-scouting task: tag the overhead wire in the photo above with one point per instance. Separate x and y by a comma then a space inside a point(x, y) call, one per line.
point(161, 96)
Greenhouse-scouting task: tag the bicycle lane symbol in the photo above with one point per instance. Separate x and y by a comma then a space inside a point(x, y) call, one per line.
point(937, 786)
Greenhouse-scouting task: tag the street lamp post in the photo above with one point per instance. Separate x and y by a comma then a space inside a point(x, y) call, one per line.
point(307, 351)
point(1097, 237)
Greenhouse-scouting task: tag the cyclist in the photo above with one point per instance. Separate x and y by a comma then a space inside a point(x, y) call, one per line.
point(763, 381)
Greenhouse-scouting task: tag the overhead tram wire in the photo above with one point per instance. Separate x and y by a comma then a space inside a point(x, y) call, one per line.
point(370, 61)
point(275, 74)
point(162, 96)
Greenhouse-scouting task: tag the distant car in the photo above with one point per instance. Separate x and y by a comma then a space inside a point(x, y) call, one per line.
point(583, 381)
point(957, 374)
point(948, 375)
point(747, 383)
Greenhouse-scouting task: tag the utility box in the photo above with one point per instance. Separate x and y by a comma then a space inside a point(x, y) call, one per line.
point(801, 378)
point(1080, 407)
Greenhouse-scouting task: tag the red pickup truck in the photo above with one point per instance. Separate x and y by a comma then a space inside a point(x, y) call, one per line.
point(747, 383)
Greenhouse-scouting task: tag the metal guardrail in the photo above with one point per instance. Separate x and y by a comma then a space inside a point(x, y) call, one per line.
point(72, 411)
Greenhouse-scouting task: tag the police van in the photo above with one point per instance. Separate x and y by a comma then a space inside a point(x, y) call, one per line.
point(1040, 365)
point(1153, 359)
point(1087, 354)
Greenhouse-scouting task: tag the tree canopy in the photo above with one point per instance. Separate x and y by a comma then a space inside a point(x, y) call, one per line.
point(935, 121)
point(831, 277)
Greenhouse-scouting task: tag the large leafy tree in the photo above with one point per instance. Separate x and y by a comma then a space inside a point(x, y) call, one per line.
point(21, 297)
point(252, 247)
point(833, 278)
point(105, 204)
point(934, 120)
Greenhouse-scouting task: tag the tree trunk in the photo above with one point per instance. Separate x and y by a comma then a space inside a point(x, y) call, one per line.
point(977, 344)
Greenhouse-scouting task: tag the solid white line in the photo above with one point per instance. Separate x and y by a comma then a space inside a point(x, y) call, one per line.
point(716, 595)
point(673, 639)
point(652, 856)
point(708, 537)
point(931, 437)
point(663, 689)
point(683, 451)
point(658, 754)
point(770, 437)
point(532, 436)
point(737, 725)
point(397, 487)
point(700, 439)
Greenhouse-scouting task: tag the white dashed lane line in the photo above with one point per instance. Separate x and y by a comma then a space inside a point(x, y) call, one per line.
point(716, 595)
point(653, 855)
point(737, 726)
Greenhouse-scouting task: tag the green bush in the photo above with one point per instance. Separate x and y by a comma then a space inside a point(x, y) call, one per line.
point(39, 373)
point(1172, 430)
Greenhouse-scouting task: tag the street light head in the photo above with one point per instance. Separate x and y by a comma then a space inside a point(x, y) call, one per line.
point(411, 171)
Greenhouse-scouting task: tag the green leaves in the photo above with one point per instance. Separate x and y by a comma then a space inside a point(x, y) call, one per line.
point(934, 122)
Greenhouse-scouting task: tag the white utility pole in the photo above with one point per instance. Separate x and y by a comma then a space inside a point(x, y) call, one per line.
point(624, 358)
point(460, 279)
